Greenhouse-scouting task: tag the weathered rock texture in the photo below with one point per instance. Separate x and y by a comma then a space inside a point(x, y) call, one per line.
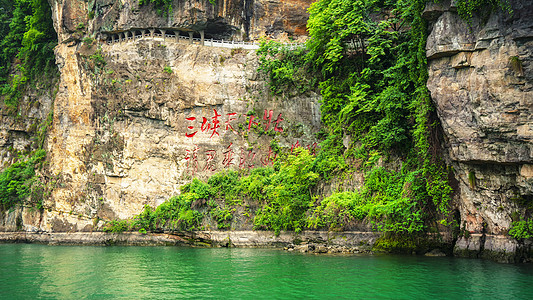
point(481, 80)
point(227, 19)
point(362, 240)
point(21, 132)
point(18, 129)
point(124, 113)
point(134, 121)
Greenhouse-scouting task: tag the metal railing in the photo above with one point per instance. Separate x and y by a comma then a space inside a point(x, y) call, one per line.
point(197, 41)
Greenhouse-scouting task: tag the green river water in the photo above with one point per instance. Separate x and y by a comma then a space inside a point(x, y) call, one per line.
point(74, 272)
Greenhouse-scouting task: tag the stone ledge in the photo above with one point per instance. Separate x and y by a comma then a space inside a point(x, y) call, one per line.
point(198, 238)
point(92, 238)
point(268, 238)
point(500, 248)
point(494, 247)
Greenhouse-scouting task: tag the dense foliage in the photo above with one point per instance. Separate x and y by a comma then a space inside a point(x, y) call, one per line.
point(285, 68)
point(27, 40)
point(371, 55)
point(367, 58)
point(282, 193)
point(467, 8)
point(18, 183)
point(522, 229)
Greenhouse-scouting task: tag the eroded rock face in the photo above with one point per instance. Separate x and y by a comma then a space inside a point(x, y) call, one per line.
point(481, 80)
point(16, 131)
point(231, 20)
point(135, 120)
point(19, 136)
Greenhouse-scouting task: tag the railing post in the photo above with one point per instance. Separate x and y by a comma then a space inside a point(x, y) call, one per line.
point(201, 37)
point(190, 37)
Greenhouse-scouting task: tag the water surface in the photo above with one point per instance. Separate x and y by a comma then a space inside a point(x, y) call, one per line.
point(75, 272)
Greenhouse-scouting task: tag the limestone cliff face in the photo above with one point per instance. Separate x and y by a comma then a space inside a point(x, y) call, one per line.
point(227, 19)
point(16, 131)
point(19, 135)
point(135, 120)
point(481, 81)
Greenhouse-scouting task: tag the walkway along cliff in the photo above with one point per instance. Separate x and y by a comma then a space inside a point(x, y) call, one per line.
point(147, 101)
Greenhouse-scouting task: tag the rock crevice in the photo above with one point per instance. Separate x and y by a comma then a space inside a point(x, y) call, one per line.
point(481, 81)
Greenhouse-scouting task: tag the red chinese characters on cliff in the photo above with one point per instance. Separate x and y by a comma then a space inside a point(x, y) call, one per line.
point(267, 117)
point(212, 125)
point(191, 157)
point(213, 160)
point(217, 124)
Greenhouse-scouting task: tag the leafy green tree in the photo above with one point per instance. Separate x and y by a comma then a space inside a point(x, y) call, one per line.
point(18, 180)
point(27, 39)
point(39, 40)
point(16, 14)
point(29, 43)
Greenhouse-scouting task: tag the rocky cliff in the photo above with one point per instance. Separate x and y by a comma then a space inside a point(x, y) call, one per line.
point(135, 119)
point(481, 81)
point(226, 19)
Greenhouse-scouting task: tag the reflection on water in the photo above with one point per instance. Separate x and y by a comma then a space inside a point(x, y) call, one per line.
point(71, 272)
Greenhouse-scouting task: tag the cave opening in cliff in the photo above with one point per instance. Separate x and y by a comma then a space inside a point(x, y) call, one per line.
point(219, 29)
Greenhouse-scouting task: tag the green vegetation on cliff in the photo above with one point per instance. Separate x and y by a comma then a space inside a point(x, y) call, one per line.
point(369, 57)
point(282, 195)
point(468, 8)
point(368, 60)
point(162, 6)
point(27, 46)
point(522, 229)
point(27, 40)
point(19, 183)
